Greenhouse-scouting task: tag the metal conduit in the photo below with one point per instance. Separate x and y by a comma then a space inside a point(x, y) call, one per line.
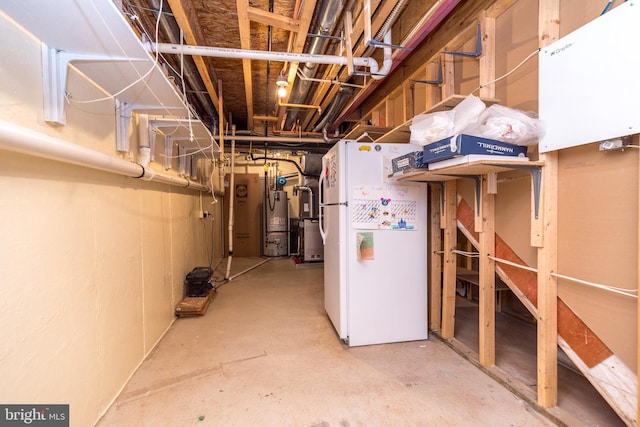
point(26, 141)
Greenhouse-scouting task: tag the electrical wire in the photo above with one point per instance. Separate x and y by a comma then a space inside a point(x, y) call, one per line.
point(141, 78)
point(621, 291)
point(467, 254)
point(513, 264)
point(508, 73)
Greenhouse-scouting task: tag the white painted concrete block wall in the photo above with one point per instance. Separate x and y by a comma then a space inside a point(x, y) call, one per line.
point(91, 264)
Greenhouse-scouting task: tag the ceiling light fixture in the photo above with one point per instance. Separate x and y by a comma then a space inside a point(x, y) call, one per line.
point(282, 84)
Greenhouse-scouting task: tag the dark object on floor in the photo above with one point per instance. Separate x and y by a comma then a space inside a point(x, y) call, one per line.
point(198, 282)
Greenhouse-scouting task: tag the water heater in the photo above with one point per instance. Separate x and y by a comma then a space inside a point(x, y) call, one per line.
point(276, 215)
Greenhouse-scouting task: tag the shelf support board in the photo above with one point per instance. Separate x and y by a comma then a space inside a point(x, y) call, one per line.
point(55, 66)
point(123, 121)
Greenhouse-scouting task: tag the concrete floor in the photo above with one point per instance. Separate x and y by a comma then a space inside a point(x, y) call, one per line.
point(266, 354)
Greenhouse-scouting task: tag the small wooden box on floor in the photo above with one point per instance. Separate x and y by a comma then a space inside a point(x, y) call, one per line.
point(194, 306)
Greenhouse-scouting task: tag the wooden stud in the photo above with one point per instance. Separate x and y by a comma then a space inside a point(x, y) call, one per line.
point(487, 71)
point(448, 76)
point(547, 318)
point(409, 100)
point(479, 208)
point(435, 260)
point(449, 259)
point(487, 276)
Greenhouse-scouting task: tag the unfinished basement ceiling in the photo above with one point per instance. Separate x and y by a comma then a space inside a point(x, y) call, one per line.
point(247, 87)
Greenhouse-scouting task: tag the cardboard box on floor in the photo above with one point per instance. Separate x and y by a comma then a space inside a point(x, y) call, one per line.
point(247, 216)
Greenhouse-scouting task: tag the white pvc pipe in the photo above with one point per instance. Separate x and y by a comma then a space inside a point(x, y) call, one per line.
point(292, 140)
point(222, 52)
point(232, 192)
point(387, 61)
point(27, 141)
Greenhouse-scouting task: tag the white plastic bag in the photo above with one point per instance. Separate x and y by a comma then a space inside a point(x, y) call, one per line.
point(427, 128)
point(466, 113)
point(507, 125)
point(432, 127)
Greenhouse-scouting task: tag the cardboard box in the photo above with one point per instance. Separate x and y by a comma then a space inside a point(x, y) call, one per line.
point(408, 161)
point(462, 144)
point(247, 235)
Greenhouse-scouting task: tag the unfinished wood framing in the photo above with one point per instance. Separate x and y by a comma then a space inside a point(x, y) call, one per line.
point(449, 260)
point(547, 318)
point(487, 275)
point(180, 15)
point(435, 259)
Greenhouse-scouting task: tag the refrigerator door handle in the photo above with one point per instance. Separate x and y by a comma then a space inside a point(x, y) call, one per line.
point(323, 234)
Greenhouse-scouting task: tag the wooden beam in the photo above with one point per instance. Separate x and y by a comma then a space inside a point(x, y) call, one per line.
point(266, 118)
point(547, 318)
point(487, 276)
point(244, 25)
point(499, 7)
point(487, 71)
point(448, 76)
point(449, 259)
point(435, 260)
point(182, 18)
point(275, 20)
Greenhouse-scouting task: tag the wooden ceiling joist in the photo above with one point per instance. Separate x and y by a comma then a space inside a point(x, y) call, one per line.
point(245, 43)
point(182, 18)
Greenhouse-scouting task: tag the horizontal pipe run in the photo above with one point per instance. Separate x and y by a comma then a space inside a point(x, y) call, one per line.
point(291, 140)
point(221, 52)
point(26, 141)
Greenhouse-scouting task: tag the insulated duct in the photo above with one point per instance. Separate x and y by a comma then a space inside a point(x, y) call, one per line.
point(325, 23)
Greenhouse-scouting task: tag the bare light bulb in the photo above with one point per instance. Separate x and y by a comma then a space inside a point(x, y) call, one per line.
point(282, 91)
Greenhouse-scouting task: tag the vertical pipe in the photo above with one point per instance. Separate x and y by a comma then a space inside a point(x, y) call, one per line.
point(232, 193)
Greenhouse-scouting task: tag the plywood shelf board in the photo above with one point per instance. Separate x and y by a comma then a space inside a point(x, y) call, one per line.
point(479, 167)
point(422, 175)
point(483, 167)
point(121, 59)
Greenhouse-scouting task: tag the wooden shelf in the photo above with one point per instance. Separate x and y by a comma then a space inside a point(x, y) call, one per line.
point(109, 53)
point(465, 165)
point(402, 133)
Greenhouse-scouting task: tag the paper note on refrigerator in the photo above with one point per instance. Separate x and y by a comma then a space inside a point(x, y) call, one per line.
point(384, 207)
point(365, 245)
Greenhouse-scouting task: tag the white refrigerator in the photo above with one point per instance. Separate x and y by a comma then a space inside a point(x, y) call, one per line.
point(375, 245)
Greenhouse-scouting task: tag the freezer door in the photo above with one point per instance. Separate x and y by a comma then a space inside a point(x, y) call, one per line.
point(387, 291)
point(332, 225)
